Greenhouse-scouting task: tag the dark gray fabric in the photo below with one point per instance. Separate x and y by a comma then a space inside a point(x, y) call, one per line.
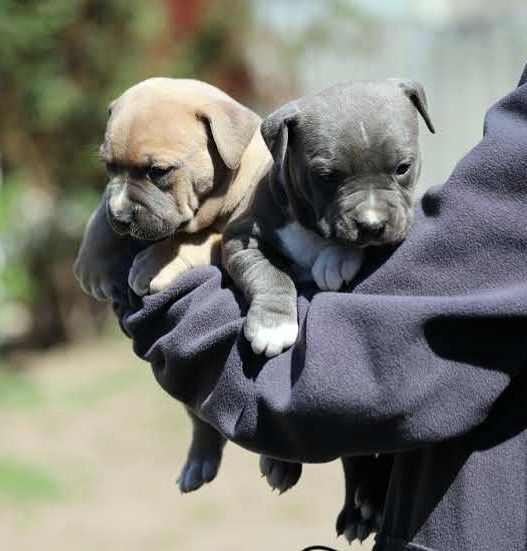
point(426, 357)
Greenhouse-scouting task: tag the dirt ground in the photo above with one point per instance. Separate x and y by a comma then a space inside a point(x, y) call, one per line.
point(90, 448)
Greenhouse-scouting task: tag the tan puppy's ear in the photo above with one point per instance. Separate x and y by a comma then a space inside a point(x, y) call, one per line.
point(232, 127)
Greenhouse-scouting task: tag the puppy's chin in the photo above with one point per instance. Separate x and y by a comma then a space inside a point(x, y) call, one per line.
point(349, 236)
point(156, 232)
point(363, 243)
point(390, 237)
point(118, 227)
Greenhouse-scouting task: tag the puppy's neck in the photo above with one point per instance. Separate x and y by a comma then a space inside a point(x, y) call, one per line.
point(219, 206)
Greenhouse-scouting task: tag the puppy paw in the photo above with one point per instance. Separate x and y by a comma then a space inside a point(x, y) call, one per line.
point(268, 331)
point(142, 271)
point(367, 480)
point(336, 265)
point(280, 475)
point(271, 341)
point(97, 286)
point(198, 470)
point(370, 496)
point(155, 268)
point(94, 274)
point(353, 525)
point(168, 274)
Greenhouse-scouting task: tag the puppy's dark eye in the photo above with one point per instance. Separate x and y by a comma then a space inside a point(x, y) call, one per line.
point(402, 169)
point(156, 173)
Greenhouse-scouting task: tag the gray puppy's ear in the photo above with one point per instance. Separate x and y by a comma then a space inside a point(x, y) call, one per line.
point(232, 127)
point(416, 94)
point(275, 130)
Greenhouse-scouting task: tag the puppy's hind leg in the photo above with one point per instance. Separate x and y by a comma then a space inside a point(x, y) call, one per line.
point(367, 480)
point(280, 475)
point(204, 456)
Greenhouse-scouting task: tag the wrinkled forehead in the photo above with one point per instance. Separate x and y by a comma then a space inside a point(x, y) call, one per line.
point(357, 121)
point(160, 130)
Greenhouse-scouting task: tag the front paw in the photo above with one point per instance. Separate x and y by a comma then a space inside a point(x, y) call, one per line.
point(143, 270)
point(155, 268)
point(280, 475)
point(271, 330)
point(95, 279)
point(336, 265)
point(168, 274)
point(94, 273)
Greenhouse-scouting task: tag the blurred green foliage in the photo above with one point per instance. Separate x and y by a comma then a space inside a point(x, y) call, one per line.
point(18, 391)
point(23, 482)
point(61, 63)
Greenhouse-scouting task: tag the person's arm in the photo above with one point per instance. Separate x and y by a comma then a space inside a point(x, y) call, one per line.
point(417, 353)
point(366, 375)
point(102, 256)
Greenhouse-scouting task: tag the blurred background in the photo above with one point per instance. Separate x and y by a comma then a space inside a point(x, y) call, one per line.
point(89, 445)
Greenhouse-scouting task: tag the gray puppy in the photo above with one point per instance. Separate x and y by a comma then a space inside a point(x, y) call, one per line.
point(346, 164)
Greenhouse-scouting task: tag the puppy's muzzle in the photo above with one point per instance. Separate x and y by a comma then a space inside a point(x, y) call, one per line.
point(120, 220)
point(360, 225)
point(371, 223)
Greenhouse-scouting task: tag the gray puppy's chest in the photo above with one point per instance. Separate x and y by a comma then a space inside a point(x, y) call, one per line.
point(305, 249)
point(300, 245)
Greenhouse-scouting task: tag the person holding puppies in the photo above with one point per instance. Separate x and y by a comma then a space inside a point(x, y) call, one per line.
point(173, 184)
point(423, 361)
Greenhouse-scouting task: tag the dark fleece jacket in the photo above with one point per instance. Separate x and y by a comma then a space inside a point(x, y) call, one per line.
point(426, 358)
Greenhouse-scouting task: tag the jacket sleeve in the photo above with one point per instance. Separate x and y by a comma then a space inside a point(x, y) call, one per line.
point(416, 353)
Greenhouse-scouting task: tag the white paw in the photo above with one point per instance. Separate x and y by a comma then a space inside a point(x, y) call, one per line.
point(336, 265)
point(272, 340)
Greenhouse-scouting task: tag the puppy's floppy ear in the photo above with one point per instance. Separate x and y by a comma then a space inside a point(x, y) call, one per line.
point(232, 127)
point(275, 130)
point(416, 94)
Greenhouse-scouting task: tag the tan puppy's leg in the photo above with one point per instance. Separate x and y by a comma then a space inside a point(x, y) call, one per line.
point(204, 456)
point(98, 255)
point(155, 268)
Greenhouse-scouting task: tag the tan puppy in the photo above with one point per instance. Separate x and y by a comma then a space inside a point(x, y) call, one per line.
point(180, 156)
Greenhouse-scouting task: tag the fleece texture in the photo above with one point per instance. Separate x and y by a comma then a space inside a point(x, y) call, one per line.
point(426, 357)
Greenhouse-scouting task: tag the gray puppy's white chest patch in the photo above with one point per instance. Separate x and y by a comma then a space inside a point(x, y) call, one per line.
point(300, 245)
point(314, 258)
